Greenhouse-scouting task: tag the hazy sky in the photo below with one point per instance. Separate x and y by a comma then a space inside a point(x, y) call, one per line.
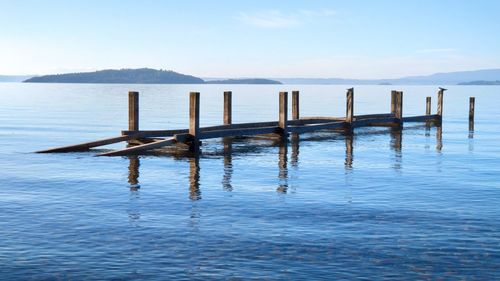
point(308, 38)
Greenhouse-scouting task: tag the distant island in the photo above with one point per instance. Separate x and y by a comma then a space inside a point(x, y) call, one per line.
point(481, 82)
point(122, 76)
point(245, 81)
point(137, 76)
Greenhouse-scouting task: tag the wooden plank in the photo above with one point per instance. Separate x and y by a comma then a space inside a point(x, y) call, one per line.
point(194, 119)
point(375, 121)
point(423, 118)
point(324, 119)
point(240, 132)
point(139, 148)
point(156, 133)
point(228, 107)
point(88, 145)
point(295, 105)
point(428, 106)
point(370, 116)
point(317, 127)
point(283, 112)
point(133, 111)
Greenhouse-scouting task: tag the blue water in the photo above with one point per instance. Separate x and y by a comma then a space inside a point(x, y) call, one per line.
point(421, 204)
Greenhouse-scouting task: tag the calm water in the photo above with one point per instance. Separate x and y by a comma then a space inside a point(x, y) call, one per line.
point(417, 204)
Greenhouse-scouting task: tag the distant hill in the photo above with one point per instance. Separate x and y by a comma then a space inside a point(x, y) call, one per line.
point(122, 76)
point(14, 78)
point(244, 81)
point(450, 78)
point(481, 82)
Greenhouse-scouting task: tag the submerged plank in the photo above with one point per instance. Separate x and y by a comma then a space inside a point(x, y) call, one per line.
point(423, 118)
point(239, 132)
point(316, 127)
point(139, 148)
point(88, 145)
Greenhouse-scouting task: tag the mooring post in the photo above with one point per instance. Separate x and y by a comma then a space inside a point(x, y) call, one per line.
point(295, 105)
point(283, 113)
point(472, 102)
point(133, 111)
point(440, 103)
point(228, 105)
point(194, 120)
point(393, 102)
point(399, 107)
point(349, 116)
point(428, 106)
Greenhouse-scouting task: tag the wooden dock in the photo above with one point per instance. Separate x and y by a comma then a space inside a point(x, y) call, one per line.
point(141, 141)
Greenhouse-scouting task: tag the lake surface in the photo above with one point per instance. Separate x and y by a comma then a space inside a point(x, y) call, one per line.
point(421, 204)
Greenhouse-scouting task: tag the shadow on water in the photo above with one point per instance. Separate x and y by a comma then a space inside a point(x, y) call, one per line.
point(242, 146)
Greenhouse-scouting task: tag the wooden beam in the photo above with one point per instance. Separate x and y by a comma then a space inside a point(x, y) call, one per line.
point(240, 132)
point(428, 106)
point(295, 105)
point(316, 127)
point(194, 119)
point(399, 105)
point(388, 121)
point(228, 105)
point(423, 118)
point(133, 111)
point(370, 116)
point(283, 113)
point(139, 148)
point(88, 145)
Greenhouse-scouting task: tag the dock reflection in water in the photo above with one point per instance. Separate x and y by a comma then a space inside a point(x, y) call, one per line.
point(396, 140)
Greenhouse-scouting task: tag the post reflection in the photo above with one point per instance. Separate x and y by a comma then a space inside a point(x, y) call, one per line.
point(228, 164)
point(349, 140)
point(471, 129)
point(397, 145)
point(283, 169)
point(295, 139)
point(133, 210)
point(396, 138)
point(439, 138)
point(194, 178)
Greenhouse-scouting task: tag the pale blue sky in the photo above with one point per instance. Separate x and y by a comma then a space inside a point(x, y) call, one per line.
point(308, 38)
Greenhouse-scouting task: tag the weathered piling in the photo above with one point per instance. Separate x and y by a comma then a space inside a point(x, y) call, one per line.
point(440, 103)
point(349, 114)
point(295, 105)
point(194, 120)
point(393, 101)
point(472, 103)
point(228, 107)
point(398, 114)
point(428, 106)
point(283, 114)
point(133, 111)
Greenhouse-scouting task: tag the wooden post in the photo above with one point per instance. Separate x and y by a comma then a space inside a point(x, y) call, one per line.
point(295, 105)
point(228, 104)
point(194, 119)
point(393, 102)
point(283, 113)
point(399, 106)
point(472, 101)
point(349, 106)
point(428, 106)
point(133, 111)
point(440, 102)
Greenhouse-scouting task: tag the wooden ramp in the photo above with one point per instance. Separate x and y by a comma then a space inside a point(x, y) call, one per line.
point(147, 140)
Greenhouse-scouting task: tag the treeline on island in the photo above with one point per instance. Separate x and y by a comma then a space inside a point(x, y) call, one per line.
point(137, 76)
